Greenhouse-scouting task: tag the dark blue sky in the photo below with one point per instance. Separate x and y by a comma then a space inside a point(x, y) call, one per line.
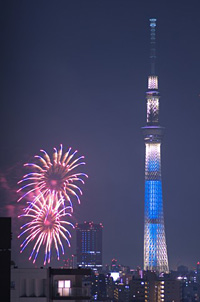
point(75, 72)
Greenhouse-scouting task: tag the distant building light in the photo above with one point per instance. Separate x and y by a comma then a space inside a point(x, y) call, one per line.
point(115, 275)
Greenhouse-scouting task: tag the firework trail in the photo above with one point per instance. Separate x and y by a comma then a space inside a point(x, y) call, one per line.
point(46, 226)
point(54, 176)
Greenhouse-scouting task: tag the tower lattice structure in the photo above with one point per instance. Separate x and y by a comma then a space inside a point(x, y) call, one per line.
point(155, 248)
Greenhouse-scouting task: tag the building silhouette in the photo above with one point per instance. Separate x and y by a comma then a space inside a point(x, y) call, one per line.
point(89, 245)
point(5, 257)
point(155, 249)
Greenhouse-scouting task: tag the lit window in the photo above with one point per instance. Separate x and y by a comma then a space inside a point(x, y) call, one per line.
point(67, 283)
point(61, 283)
point(64, 287)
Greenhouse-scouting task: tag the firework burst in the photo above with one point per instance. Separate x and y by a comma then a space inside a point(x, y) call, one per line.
point(46, 227)
point(54, 176)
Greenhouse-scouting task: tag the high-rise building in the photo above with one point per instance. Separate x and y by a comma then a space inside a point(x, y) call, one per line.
point(168, 290)
point(152, 288)
point(155, 248)
point(89, 245)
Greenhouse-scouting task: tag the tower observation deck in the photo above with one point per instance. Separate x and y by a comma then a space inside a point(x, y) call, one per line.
point(155, 248)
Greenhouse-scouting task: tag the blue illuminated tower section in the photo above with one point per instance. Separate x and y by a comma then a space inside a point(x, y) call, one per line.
point(155, 248)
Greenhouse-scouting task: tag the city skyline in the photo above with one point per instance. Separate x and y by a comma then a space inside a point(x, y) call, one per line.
point(76, 73)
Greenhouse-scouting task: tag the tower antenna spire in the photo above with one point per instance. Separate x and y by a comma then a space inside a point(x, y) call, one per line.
point(153, 45)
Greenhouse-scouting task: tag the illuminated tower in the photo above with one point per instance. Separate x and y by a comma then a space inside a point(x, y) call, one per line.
point(155, 248)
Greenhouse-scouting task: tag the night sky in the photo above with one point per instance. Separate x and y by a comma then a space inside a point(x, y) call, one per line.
point(75, 72)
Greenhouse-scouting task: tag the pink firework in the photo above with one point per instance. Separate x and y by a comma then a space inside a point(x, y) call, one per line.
point(54, 176)
point(47, 227)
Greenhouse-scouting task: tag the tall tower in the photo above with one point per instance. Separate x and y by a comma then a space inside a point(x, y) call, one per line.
point(155, 248)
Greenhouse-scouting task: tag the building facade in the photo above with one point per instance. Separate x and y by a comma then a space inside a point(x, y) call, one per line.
point(49, 285)
point(155, 249)
point(89, 245)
